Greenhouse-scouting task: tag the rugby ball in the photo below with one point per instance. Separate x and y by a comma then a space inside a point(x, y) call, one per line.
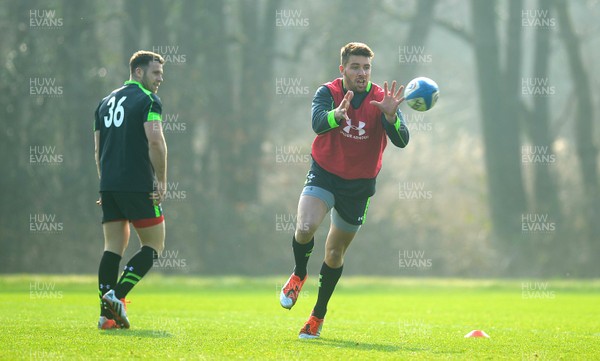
point(421, 94)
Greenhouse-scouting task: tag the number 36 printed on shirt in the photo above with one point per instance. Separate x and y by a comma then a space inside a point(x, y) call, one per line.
point(115, 116)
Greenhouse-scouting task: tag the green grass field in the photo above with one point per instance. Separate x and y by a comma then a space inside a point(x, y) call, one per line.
point(54, 317)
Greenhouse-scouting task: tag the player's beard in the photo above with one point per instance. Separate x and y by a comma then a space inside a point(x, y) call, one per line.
point(153, 87)
point(355, 85)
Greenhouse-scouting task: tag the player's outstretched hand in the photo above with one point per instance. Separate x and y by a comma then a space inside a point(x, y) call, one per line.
point(341, 112)
point(390, 102)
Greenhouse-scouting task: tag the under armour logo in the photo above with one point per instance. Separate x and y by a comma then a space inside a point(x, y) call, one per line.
point(309, 177)
point(360, 127)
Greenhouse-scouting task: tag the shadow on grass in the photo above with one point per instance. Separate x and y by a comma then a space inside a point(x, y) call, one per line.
point(138, 333)
point(366, 346)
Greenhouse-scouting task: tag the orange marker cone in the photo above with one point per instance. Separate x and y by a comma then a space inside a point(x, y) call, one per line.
point(477, 333)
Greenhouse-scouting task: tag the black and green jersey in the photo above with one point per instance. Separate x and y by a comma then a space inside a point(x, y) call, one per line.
point(124, 160)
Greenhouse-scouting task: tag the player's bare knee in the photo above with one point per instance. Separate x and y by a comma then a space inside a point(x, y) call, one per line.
point(114, 249)
point(158, 247)
point(334, 258)
point(156, 243)
point(153, 236)
point(304, 232)
point(115, 246)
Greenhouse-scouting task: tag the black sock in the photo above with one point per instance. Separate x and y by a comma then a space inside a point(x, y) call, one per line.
point(108, 273)
point(301, 255)
point(136, 268)
point(328, 278)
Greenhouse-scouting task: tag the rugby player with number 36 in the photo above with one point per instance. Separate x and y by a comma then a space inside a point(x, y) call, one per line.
point(131, 157)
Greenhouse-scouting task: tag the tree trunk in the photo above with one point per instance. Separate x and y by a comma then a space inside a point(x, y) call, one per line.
point(419, 29)
point(132, 27)
point(586, 150)
point(257, 54)
point(500, 133)
point(544, 190)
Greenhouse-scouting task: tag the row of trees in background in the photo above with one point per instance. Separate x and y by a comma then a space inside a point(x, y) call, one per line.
point(508, 123)
point(222, 92)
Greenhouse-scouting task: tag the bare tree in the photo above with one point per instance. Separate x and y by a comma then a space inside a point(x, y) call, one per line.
point(500, 132)
point(586, 149)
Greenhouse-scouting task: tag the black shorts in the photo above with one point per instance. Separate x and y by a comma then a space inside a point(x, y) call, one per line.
point(136, 207)
point(350, 196)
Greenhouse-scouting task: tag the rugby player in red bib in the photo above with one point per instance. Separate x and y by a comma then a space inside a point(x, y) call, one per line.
point(353, 119)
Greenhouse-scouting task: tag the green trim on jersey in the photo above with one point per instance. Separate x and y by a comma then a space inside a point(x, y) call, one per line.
point(152, 116)
point(397, 126)
point(398, 123)
point(148, 92)
point(156, 210)
point(331, 119)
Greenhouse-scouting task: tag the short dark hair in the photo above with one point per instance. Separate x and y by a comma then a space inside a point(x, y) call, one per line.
point(355, 49)
point(143, 58)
